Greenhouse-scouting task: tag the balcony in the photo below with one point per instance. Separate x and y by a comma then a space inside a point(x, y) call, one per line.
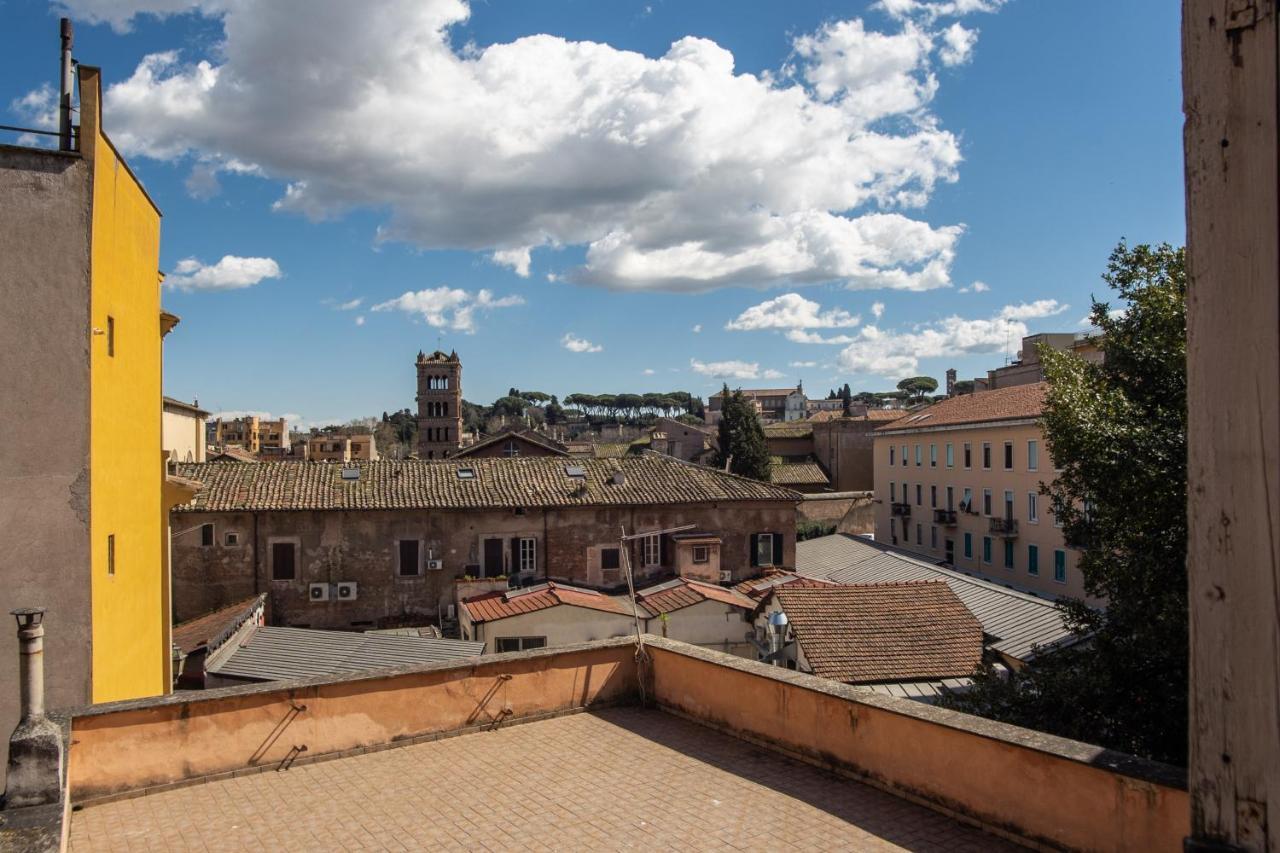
point(1006, 528)
point(945, 517)
point(903, 509)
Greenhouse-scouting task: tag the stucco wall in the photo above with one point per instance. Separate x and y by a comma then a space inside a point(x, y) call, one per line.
point(1020, 481)
point(183, 436)
point(844, 447)
point(711, 624)
point(361, 546)
point(561, 626)
point(44, 417)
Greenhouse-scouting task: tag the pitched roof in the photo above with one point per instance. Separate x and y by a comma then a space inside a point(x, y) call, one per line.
point(272, 654)
point(231, 453)
point(904, 631)
point(190, 408)
point(544, 481)
point(789, 429)
point(797, 473)
point(684, 592)
point(198, 632)
point(1002, 404)
point(760, 586)
point(528, 436)
point(1018, 622)
point(492, 606)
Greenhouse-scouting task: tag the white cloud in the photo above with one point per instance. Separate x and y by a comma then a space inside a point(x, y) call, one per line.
point(877, 310)
point(800, 336)
point(575, 344)
point(976, 287)
point(697, 329)
point(38, 109)
point(803, 364)
point(446, 307)
point(352, 304)
point(360, 320)
point(930, 10)
point(791, 311)
point(673, 171)
point(733, 370)
point(894, 354)
point(230, 273)
point(957, 44)
point(649, 371)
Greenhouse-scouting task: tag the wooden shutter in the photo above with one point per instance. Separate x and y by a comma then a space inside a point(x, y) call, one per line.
point(755, 549)
point(664, 549)
point(515, 555)
point(777, 549)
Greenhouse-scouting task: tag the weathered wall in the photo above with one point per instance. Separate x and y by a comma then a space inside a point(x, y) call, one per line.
point(44, 417)
point(1059, 792)
point(361, 546)
point(851, 512)
point(561, 626)
point(844, 447)
point(711, 624)
point(125, 746)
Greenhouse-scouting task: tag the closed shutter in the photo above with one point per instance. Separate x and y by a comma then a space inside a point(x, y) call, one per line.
point(777, 549)
point(664, 549)
point(515, 555)
point(755, 549)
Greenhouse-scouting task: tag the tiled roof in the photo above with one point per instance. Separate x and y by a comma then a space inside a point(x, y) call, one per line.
point(196, 633)
point(806, 473)
point(885, 414)
point(526, 435)
point(684, 592)
point(1018, 622)
point(905, 631)
point(273, 654)
point(758, 587)
point(607, 450)
point(545, 481)
point(496, 605)
point(192, 408)
point(231, 453)
point(789, 429)
point(871, 415)
point(1002, 404)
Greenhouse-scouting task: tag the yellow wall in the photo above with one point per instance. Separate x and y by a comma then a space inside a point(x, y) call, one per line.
point(130, 626)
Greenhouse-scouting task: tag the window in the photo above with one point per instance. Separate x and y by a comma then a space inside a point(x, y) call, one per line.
point(231, 539)
point(1008, 456)
point(933, 456)
point(702, 553)
point(904, 456)
point(891, 454)
point(951, 455)
point(986, 549)
point(111, 553)
point(933, 496)
point(206, 535)
point(986, 454)
point(986, 502)
point(933, 536)
point(951, 498)
point(968, 546)
point(111, 336)
point(893, 492)
point(968, 455)
point(409, 563)
point(966, 503)
point(1033, 455)
point(1060, 566)
point(919, 492)
point(768, 550)
point(919, 533)
point(283, 561)
point(609, 558)
point(1033, 508)
point(528, 557)
point(919, 457)
point(518, 644)
point(1008, 504)
point(651, 550)
point(1008, 553)
point(1033, 559)
point(511, 449)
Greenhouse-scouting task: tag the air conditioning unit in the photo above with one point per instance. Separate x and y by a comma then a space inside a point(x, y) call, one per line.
point(346, 591)
point(435, 565)
point(318, 592)
point(726, 576)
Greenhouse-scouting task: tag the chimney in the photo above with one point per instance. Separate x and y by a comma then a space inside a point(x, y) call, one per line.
point(64, 96)
point(35, 747)
point(951, 382)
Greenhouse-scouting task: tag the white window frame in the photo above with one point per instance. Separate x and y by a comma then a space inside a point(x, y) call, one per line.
point(966, 499)
point(986, 456)
point(1010, 503)
point(766, 559)
point(1033, 454)
point(933, 456)
point(706, 554)
point(919, 457)
point(986, 503)
point(651, 550)
point(968, 456)
point(527, 558)
point(1008, 455)
point(905, 460)
point(1033, 508)
point(951, 455)
point(520, 643)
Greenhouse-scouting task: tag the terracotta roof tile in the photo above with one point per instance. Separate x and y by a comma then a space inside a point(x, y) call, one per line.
point(683, 592)
point(789, 429)
point(906, 631)
point(760, 586)
point(1002, 404)
point(196, 633)
point(496, 605)
point(528, 436)
point(545, 481)
point(797, 473)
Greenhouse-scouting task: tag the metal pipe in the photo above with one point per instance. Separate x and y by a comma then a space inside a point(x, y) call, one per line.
point(31, 661)
point(64, 96)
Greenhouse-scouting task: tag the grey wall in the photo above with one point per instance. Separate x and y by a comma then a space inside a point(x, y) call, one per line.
point(44, 419)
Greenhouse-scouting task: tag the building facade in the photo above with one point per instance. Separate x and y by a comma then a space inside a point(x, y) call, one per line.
point(83, 498)
point(959, 482)
point(770, 404)
point(385, 547)
point(340, 447)
point(1027, 368)
point(254, 434)
point(183, 431)
point(439, 405)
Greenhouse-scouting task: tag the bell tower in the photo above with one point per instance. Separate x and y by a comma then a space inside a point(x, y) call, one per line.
point(439, 405)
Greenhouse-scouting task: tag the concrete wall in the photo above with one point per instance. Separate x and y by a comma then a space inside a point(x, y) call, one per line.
point(361, 546)
point(44, 417)
point(844, 447)
point(850, 512)
point(1021, 481)
point(1059, 792)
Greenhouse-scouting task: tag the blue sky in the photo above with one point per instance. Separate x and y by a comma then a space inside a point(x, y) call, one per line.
point(836, 172)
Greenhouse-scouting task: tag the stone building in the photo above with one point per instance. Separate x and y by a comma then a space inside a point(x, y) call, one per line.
point(843, 446)
point(1027, 368)
point(770, 404)
point(341, 447)
point(439, 405)
point(381, 543)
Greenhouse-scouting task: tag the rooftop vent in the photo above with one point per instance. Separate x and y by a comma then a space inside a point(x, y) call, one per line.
point(466, 473)
point(619, 478)
point(575, 471)
point(351, 473)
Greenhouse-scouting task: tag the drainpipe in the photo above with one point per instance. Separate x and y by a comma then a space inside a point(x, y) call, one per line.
point(35, 747)
point(64, 96)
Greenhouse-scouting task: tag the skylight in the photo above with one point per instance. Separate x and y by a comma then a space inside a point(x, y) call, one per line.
point(466, 473)
point(575, 471)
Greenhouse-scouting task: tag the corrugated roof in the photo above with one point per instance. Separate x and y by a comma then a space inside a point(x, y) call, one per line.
point(1018, 621)
point(650, 478)
point(273, 654)
point(903, 631)
point(1002, 404)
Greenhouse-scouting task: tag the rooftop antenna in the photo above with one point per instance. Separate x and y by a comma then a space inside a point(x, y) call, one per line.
point(64, 95)
point(1007, 343)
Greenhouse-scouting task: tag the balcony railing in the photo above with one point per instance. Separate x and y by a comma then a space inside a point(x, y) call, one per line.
point(945, 517)
point(901, 509)
point(1006, 527)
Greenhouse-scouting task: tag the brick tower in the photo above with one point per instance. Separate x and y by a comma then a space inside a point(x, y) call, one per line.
point(439, 405)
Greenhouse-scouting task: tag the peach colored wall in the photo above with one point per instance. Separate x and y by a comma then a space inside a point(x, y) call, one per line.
point(169, 740)
point(1035, 793)
point(1021, 481)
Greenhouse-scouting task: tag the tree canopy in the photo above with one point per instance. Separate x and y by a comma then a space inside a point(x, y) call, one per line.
point(918, 386)
point(742, 443)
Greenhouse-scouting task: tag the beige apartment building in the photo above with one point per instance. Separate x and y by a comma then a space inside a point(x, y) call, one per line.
point(332, 447)
point(252, 433)
point(959, 483)
point(183, 431)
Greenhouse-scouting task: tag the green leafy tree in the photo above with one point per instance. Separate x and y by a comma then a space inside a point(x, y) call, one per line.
point(964, 386)
point(1118, 431)
point(510, 405)
point(742, 443)
point(918, 386)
